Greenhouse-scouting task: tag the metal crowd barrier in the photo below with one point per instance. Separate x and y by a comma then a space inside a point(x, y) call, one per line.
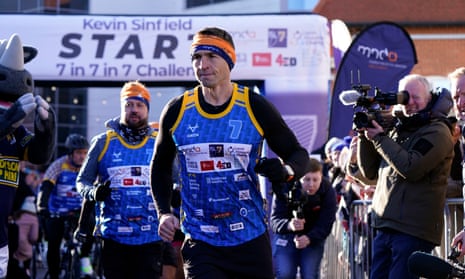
point(348, 251)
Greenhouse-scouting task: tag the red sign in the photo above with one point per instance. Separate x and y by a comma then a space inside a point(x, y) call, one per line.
point(207, 165)
point(261, 59)
point(128, 181)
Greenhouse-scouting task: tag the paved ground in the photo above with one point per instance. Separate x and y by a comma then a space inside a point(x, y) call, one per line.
point(40, 254)
point(41, 271)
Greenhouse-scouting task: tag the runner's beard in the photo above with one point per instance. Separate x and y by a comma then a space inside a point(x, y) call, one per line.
point(132, 123)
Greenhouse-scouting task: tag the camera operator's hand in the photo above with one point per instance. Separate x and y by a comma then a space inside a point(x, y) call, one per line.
point(301, 241)
point(370, 133)
point(102, 191)
point(458, 241)
point(275, 170)
point(296, 224)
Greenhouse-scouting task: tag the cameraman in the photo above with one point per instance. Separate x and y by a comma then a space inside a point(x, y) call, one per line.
point(411, 163)
point(302, 218)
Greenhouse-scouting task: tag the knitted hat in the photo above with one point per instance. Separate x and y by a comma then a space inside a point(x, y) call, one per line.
point(331, 143)
point(215, 44)
point(347, 140)
point(135, 90)
point(338, 146)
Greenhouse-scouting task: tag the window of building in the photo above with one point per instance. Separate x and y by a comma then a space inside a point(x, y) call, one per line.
point(70, 106)
point(197, 3)
point(45, 6)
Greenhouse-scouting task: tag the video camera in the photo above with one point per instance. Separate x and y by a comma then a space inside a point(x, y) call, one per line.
point(427, 265)
point(372, 108)
point(296, 199)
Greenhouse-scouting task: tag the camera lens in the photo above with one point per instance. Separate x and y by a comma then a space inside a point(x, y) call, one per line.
point(361, 120)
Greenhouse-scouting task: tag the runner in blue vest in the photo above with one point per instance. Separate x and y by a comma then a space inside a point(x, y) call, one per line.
point(59, 201)
point(126, 219)
point(217, 131)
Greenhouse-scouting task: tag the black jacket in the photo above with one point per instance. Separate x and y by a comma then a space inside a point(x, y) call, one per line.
point(319, 212)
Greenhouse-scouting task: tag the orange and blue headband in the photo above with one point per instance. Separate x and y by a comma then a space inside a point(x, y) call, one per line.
point(216, 45)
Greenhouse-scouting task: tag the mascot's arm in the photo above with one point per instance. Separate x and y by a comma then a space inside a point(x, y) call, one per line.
point(13, 117)
point(42, 146)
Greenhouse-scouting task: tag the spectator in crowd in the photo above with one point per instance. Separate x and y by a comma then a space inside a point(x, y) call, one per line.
point(454, 212)
point(119, 162)
point(328, 163)
point(457, 80)
point(28, 234)
point(344, 192)
point(301, 220)
point(323, 154)
point(217, 130)
point(411, 163)
point(24, 223)
point(59, 202)
point(455, 185)
point(360, 188)
point(457, 87)
point(30, 178)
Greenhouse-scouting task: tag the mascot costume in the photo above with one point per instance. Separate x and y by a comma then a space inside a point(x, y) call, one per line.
point(16, 142)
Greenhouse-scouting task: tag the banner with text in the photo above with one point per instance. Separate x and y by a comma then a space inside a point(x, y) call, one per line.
point(156, 48)
point(379, 57)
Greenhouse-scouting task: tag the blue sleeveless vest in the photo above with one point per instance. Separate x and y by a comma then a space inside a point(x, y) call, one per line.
point(221, 201)
point(128, 215)
point(64, 197)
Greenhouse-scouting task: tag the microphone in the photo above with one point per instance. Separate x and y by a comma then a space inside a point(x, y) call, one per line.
point(428, 266)
point(349, 97)
point(354, 97)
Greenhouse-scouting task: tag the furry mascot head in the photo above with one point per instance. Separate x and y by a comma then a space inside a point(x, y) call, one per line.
point(17, 143)
point(15, 80)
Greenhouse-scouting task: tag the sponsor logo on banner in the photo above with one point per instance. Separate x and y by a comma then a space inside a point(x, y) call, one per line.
point(261, 59)
point(379, 56)
point(277, 37)
point(156, 48)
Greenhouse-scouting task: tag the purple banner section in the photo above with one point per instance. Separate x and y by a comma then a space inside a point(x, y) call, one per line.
point(306, 115)
point(379, 56)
